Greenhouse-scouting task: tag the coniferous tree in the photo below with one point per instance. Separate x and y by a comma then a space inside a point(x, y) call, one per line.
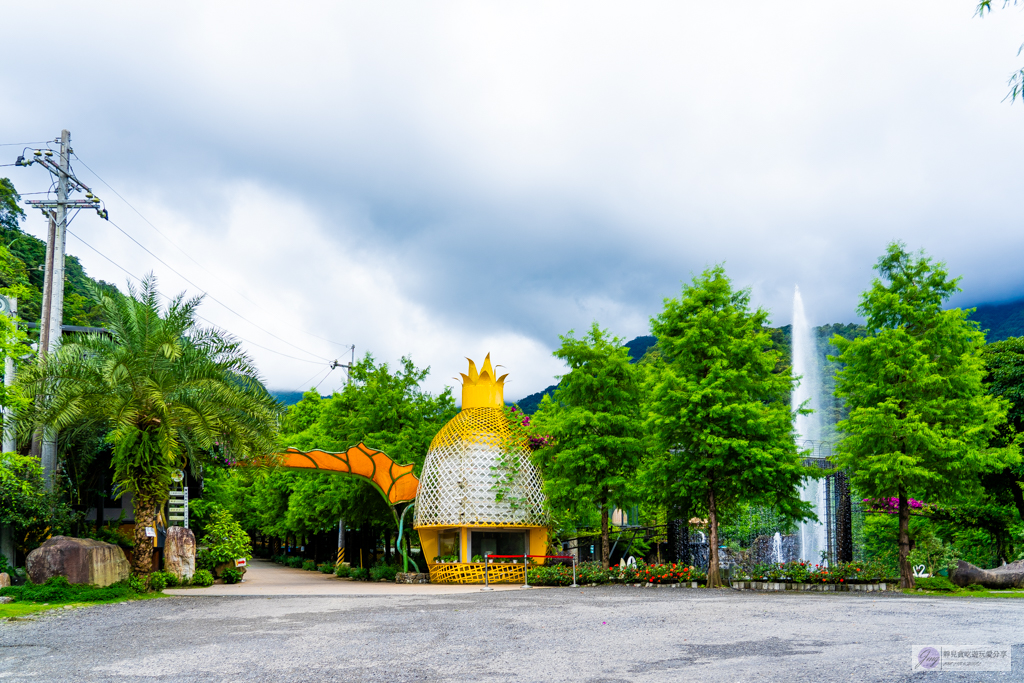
point(920, 420)
point(720, 410)
point(595, 426)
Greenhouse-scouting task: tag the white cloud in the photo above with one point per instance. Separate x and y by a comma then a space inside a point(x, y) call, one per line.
point(449, 179)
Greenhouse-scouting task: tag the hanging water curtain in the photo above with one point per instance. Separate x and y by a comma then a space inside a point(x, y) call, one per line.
point(479, 493)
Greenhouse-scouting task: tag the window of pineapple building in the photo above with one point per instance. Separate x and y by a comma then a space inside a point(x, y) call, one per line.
point(497, 543)
point(448, 545)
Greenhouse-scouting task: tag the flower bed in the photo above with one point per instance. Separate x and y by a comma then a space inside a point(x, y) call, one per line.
point(593, 573)
point(806, 573)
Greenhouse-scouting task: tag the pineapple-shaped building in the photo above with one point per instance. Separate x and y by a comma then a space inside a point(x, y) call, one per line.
point(479, 493)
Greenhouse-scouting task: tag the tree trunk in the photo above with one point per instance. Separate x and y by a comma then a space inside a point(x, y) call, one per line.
point(145, 517)
point(605, 560)
point(906, 571)
point(714, 579)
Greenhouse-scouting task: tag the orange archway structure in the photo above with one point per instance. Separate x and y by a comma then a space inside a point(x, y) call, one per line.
point(395, 482)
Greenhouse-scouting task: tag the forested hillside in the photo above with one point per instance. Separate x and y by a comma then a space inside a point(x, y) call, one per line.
point(22, 257)
point(1000, 321)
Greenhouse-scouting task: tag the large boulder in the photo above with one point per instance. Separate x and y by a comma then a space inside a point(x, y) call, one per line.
point(180, 552)
point(80, 560)
point(1008, 576)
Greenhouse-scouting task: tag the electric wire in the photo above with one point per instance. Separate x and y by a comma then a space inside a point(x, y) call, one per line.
point(201, 289)
point(15, 144)
point(213, 298)
point(185, 253)
point(138, 279)
point(315, 375)
point(329, 371)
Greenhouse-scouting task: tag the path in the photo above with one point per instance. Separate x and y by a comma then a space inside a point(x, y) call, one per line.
point(265, 578)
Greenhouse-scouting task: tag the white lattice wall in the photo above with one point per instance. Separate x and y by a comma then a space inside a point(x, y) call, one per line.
point(457, 485)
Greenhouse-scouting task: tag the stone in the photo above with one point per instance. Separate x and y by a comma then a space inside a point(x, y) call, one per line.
point(5, 580)
point(411, 577)
point(79, 560)
point(6, 599)
point(1008, 576)
point(180, 552)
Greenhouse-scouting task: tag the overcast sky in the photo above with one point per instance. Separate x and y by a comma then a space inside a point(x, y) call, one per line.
point(445, 179)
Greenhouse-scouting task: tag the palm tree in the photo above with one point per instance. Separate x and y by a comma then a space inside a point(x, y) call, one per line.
point(170, 393)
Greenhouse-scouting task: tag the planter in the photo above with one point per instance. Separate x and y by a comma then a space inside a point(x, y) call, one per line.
point(411, 577)
point(819, 587)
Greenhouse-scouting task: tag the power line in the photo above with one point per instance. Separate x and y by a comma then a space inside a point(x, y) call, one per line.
point(317, 387)
point(186, 254)
point(138, 279)
point(15, 144)
point(213, 298)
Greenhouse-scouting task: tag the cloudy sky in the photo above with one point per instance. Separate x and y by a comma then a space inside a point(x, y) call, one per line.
point(445, 179)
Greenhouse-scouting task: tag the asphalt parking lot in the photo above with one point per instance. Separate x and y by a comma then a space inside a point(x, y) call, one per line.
point(603, 634)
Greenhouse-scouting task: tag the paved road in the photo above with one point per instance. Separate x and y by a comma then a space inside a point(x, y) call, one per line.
point(265, 578)
point(596, 634)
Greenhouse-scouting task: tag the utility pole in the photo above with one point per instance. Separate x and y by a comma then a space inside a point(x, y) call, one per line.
point(347, 366)
point(9, 445)
point(56, 212)
point(9, 441)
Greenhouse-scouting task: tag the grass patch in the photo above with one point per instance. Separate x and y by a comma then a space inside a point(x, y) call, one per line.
point(967, 593)
point(19, 610)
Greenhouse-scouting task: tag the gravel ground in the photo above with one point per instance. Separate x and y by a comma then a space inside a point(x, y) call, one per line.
point(592, 634)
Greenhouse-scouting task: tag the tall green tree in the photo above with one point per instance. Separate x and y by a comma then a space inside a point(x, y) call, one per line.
point(594, 421)
point(720, 409)
point(170, 392)
point(1005, 360)
point(920, 420)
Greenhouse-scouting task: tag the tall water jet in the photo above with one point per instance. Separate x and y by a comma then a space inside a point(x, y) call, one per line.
point(807, 427)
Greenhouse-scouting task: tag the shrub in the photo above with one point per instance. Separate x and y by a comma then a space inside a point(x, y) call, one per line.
point(309, 565)
point(592, 572)
point(58, 590)
point(325, 568)
point(935, 583)
point(226, 538)
point(204, 560)
point(670, 573)
point(159, 580)
point(202, 577)
point(342, 571)
point(360, 573)
point(137, 584)
point(294, 562)
point(976, 587)
point(383, 571)
point(550, 575)
point(231, 575)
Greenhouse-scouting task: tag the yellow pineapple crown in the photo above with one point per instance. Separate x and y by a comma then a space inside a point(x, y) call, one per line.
point(480, 389)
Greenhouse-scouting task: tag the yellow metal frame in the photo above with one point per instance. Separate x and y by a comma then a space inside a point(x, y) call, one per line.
point(395, 482)
point(473, 572)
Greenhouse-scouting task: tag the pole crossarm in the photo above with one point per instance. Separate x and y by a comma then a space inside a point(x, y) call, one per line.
point(395, 482)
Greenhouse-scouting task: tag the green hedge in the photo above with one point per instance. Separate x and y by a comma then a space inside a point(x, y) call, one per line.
point(58, 590)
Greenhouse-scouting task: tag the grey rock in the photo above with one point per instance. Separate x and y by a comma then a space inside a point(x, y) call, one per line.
point(80, 560)
point(6, 599)
point(180, 552)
